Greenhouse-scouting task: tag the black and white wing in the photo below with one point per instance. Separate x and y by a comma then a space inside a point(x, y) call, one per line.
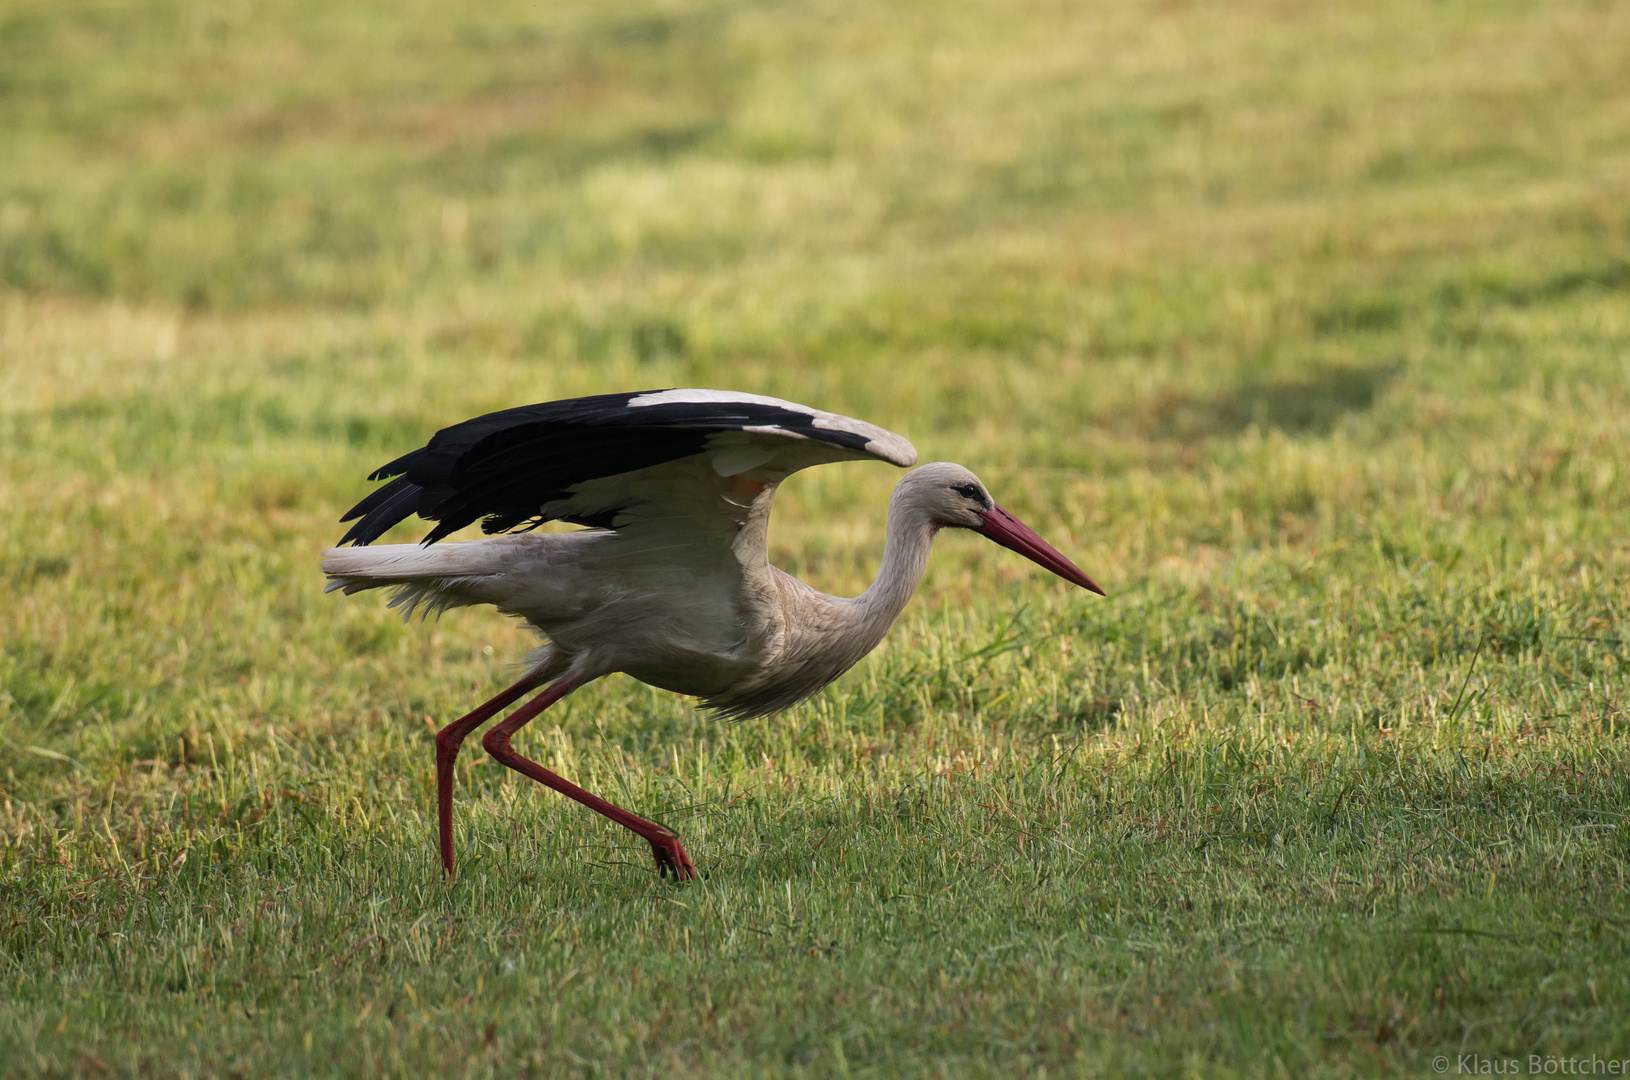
point(603, 461)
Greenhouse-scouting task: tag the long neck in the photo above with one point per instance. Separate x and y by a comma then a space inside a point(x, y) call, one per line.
point(905, 553)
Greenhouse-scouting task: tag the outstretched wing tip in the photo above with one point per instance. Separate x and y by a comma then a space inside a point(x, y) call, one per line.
point(893, 449)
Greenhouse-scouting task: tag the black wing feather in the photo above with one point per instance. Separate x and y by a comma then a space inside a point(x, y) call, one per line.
point(504, 467)
point(382, 509)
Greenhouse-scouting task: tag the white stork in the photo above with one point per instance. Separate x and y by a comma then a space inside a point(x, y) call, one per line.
point(671, 581)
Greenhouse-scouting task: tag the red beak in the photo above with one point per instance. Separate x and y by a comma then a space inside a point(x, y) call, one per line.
point(1015, 535)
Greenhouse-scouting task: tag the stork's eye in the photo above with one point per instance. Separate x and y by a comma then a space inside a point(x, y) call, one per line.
point(969, 491)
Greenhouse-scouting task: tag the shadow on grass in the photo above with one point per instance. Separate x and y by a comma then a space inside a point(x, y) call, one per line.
point(1477, 290)
point(1311, 402)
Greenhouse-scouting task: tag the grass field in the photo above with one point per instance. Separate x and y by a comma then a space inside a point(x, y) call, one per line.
point(1306, 332)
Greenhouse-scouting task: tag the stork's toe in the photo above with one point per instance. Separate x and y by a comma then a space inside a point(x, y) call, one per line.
point(671, 858)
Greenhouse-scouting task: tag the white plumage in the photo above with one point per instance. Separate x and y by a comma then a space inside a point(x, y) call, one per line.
point(671, 583)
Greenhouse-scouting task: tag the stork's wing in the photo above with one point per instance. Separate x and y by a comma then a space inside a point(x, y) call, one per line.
point(592, 460)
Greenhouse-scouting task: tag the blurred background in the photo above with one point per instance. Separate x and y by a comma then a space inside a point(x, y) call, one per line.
point(1087, 236)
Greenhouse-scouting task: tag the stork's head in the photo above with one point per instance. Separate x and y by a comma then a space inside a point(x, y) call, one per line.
point(953, 497)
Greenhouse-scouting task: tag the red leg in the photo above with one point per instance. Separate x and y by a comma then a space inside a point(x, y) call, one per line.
point(449, 739)
point(670, 854)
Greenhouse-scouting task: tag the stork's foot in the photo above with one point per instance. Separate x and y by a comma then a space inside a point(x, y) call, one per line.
point(671, 858)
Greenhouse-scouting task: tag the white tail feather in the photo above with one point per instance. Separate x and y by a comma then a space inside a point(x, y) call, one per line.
point(431, 579)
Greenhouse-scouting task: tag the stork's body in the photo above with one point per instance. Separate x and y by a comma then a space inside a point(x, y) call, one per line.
point(672, 583)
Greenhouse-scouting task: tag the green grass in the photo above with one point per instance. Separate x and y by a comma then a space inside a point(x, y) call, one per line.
point(1306, 332)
